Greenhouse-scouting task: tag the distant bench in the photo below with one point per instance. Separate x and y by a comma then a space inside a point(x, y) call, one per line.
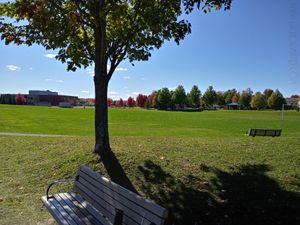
point(264, 132)
point(97, 200)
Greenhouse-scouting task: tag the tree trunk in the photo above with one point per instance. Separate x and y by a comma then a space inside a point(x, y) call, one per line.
point(101, 84)
point(101, 116)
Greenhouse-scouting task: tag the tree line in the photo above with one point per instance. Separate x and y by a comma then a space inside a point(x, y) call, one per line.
point(166, 99)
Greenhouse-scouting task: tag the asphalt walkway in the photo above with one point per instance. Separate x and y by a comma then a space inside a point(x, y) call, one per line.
point(30, 135)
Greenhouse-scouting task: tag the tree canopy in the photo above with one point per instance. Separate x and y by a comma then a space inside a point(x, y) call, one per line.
point(276, 100)
point(102, 33)
point(131, 29)
point(194, 97)
point(210, 96)
point(258, 101)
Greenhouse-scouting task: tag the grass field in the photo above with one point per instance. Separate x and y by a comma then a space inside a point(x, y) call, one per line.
point(201, 166)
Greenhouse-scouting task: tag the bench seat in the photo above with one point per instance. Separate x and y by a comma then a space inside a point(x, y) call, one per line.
point(71, 209)
point(94, 199)
point(264, 132)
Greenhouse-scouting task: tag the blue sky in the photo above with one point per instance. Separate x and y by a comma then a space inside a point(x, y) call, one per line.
point(255, 44)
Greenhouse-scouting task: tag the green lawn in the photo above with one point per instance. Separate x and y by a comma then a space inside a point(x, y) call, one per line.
point(201, 166)
point(145, 123)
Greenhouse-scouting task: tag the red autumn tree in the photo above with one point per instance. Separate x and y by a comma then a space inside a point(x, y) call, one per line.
point(20, 99)
point(120, 103)
point(131, 102)
point(141, 100)
point(151, 98)
point(110, 102)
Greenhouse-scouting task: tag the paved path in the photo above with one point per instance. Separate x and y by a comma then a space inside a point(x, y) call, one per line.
point(31, 135)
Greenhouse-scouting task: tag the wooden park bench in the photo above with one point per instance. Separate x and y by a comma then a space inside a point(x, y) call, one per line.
point(264, 132)
point(95, 199)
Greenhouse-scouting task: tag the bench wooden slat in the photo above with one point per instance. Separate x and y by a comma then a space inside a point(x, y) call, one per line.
point(95, 200)
point(72, 212)
point(63, 212)
point(108, 210)
point(54, 212)
point(264, 132)
point(138, 200)
point(129, 217)
point(110, 193)
point(98, 203)
point(78, 210)
point(89, 208)
point(137, 212)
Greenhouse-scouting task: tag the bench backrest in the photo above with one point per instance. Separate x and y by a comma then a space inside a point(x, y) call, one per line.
point(107, 197)
point(264, 132)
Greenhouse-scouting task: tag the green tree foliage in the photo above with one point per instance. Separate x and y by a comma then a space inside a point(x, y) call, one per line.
point(276, 100)
point(229, 94)
point(8, 99)
point(163, 99)
point(221, 98)
point(194, 97)
point(210, 96)
point(268, 93)
point(179, 96)
point(99, 33)
point(245, 98)
point(147, 104)
point(258, 101)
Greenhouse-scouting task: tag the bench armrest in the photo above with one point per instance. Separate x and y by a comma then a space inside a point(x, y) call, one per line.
point(57, 182)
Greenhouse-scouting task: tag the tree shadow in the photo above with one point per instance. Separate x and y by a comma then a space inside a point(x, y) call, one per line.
point(115, 170)
point(244, 195)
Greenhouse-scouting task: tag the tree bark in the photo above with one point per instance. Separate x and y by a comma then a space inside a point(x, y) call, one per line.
point(101, 116)
point(101, 85)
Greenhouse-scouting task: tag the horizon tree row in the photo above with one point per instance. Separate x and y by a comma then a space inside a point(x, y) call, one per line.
point(179, 99)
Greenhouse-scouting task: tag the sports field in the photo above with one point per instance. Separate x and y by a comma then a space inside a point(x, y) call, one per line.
point(199, 165)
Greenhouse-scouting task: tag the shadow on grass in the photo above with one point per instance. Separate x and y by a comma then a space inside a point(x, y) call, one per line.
point(115, 170)
point(243, 196)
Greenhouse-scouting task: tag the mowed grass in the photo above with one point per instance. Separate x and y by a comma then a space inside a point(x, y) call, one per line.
point(201, 166)
point(138, 122)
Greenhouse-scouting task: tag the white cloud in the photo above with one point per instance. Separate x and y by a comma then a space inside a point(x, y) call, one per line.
point(91, 73)
point(121, 69)
point(13, 67)
point(126, 77)
point(142, 78)
point(172, 88)
point(135, 93)
point(59, 81)
point(48, 79)
point(113, 93)
point(118, 69)
point(30, 68)
point(50, 56)
point(85, 92)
